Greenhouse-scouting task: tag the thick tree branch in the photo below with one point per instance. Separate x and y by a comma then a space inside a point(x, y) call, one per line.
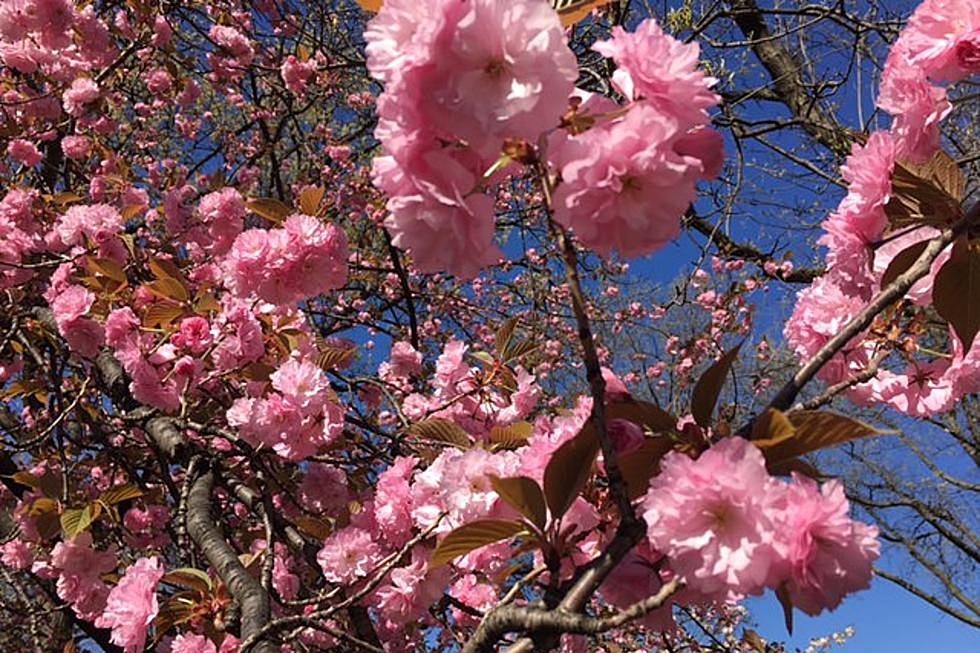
point(245, 589)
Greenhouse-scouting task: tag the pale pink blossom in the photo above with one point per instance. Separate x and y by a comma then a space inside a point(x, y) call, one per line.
point(711, 518)
point(132, 605)
point(348, 554)
point(192, 643)
point(80, 568)
point(829, 554)
point(651, 65)
point(625, 185)
point(79, 97)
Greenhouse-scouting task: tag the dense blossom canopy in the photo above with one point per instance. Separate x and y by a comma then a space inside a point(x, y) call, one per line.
point(231, 425)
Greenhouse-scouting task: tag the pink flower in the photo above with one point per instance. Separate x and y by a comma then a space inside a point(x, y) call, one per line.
point(411, 589)
point(323, 489)
point(76, 147)
point(24, 151)
point(348, 554)
point(192, 643)
point(296, 74)
point(656, 67)
point(79, 96)
point(16, 554)
point(456, 484)
point(405, 360)
point(80, 568)
point(711, 517)
point(505, 71)
point(158, 81)
point(132, 605)
point(917, 106)
point(393, 501)
point(223, 212)
point(624, 184)
point(829, 554)
point(96, 222)
point(303, 259)
point(194, 335)
point(942, 39)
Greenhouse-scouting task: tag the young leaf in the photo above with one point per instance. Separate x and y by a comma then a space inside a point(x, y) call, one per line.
point(639, 466)
point(928, 193)
point(107, 268)
point(271, 209)
point(189, 578)
point(524, 495)
point(168, 289)
point(511, 436)
point(77, 520)
point(902, 262)
point(770, 428)
point(504, 335)
point(441, 430)
point(643, 413)
point(572, 11)
point(162, 314)
point(708, 388)
point(782, 594)
point(331, 358)
point(120, 494)
point(309, 200)
point(568, 470)
point(956, 291)
point(469, 537)
point(815, 430)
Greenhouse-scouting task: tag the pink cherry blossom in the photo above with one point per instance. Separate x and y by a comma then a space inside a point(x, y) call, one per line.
point(24, 151)
point(80, 568)
point(192, 643)
point(79, 97)
point(348, 554)
point(624, 185)
point(132, 605)
point(656, 67)
point(829, 554)
point(711, 517)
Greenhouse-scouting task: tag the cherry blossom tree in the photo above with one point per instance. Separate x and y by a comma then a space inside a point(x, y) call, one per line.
point(310, 313)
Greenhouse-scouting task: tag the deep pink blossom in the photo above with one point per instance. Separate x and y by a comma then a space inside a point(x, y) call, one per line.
point(192, 643)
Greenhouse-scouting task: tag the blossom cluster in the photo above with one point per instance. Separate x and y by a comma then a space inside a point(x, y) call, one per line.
point(939, 44)
point(453, 100)
point(729, 529)
point(296, 418)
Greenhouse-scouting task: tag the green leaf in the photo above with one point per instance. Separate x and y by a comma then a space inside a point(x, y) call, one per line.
point(902, 262)
point(815, 430)
point(708, 388)
point(771, 427)
point(441, 430)
point(469, 537)
point(189, 578)
point(524, 495)
point(569, 469)
point(956, 291)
